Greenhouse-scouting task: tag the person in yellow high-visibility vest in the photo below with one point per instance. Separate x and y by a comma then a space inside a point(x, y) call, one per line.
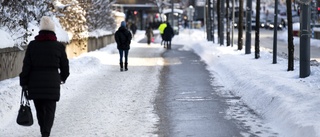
point(161, 29)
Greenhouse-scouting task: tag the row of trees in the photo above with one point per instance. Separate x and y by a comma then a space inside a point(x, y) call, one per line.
point(219, 7)
point(75, 16)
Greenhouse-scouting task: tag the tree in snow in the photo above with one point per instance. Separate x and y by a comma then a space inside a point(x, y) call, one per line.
point(76, 16)
point(72, 17)
point(99, 14)
point(16, 15)
point(81, 16)
point(290, 37)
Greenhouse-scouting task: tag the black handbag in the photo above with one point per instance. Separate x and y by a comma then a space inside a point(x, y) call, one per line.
point(24, 115)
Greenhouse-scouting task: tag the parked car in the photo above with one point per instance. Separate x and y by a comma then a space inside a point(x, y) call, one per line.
point(253, 24)
point(269, 24)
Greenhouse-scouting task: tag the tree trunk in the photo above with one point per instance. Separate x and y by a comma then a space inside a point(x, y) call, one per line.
point(257, 38)
point(228, 23)
point(213, 18)
point(290, 37)
point(240, 26)
point(275, 33)
point(222, 12)
point(208, 21)
point(218, 15)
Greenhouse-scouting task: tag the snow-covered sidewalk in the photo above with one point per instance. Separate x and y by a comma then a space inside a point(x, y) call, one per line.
point(97, 100)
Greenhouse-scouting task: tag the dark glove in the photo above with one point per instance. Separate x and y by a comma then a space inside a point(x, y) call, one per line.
point(24, 87)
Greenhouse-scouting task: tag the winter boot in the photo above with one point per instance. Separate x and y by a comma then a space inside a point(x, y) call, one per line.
point(126, 66)
point(121, 66)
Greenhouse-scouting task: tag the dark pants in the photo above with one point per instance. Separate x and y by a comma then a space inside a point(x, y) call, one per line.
point(45, 114)
point(162, 39)
point(126, 52)
point(149, 39)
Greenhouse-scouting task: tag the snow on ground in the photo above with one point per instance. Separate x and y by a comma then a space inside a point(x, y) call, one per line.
point(288, 103)
point(98, 100)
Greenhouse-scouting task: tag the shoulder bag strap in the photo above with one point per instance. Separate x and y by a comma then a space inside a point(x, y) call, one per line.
point(24, 99)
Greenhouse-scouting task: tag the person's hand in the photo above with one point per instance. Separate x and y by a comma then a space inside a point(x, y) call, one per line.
point(24, 87)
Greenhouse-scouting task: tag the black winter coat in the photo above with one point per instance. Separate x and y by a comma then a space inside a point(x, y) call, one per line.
point(149, 32)
point(133, 28)
point(123, 38)
point(45, 67)
point(168, 33)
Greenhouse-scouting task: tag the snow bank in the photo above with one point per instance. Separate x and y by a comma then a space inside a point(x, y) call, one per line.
point(6, 40)
point(288, 103)
point(98, 33)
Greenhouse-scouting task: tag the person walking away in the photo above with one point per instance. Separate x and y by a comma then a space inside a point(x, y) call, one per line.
point(45, 67)
point(168, 34)
point(161, 28)
point(149, 34)
point(123, 39)
point(133, 28)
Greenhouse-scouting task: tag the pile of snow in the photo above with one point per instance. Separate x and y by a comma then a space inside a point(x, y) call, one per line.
point(6, 40)
point(288, 103)
point(99, 33)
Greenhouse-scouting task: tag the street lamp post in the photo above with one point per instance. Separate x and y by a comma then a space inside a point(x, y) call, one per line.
point(172, 13)
point(248, 27)
point(232, 28)
point(209, 20)
point(275, 29)
point(305, 35)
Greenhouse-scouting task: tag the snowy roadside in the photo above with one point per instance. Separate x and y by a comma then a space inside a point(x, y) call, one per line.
point(98, 99)
point(289, 104)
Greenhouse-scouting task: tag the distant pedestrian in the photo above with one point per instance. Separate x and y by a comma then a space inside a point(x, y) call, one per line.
point(168, 34)
point(149, 34)
point(161, 28)
point(186, 25)
point(283, 23)
point(123, 39)
point(45, 67)
point(133, 28)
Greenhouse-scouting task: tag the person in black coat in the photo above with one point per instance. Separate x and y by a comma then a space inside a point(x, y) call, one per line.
point(123, 39)
point(45, 67)
point(149, 34)
point(133, 28)
point(168, 34)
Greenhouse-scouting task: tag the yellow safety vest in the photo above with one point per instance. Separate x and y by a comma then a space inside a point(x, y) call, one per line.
point(162, 27)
